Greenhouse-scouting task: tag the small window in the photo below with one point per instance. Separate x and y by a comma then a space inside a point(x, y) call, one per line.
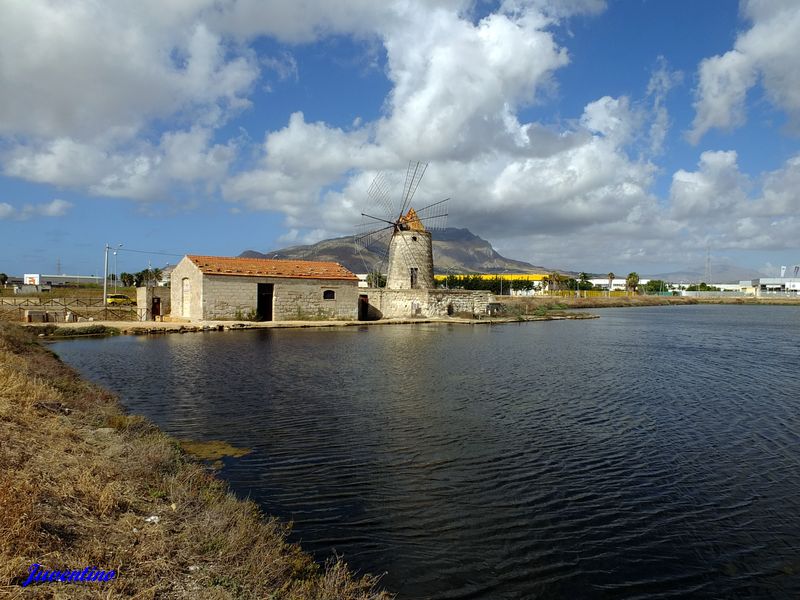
point(329, 295)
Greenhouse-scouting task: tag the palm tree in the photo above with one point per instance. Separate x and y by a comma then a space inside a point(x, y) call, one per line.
point(555, 280)
point(632, 281)
point(583, 280)
point(611, 278)
point(155, 275)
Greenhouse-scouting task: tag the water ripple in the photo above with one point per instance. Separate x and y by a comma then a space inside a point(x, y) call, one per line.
point(653, 453)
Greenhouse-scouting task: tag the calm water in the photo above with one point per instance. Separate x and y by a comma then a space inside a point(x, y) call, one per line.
point(652, 453)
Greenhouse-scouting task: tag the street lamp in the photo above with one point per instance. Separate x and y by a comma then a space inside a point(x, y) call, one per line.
point(116, 275)
point(106, 248)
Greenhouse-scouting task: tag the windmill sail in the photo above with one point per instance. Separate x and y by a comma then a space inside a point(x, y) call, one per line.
point(402, 237)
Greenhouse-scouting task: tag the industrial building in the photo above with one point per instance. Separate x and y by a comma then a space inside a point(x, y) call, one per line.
point(771, 286)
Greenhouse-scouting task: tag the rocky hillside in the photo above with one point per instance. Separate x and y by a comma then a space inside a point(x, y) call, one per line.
point(454, 251)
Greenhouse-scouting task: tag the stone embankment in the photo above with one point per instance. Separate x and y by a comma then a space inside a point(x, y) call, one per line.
point(101, 328)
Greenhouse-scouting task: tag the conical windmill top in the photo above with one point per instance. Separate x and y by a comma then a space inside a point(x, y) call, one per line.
point(402, 234)
point(411, 221)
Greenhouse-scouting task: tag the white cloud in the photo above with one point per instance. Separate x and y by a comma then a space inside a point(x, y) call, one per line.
point(767, 52)
point(54, 208)
point(284, 65)
point(87, 110)
point(612, 118)
point(85, 70)
point(457, 86)
point(715, 205)
point(715, 190)
point(141, 171)
point(661, 82)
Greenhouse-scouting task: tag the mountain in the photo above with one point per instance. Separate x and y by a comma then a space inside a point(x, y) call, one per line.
point(454, 251)
point(718, 273)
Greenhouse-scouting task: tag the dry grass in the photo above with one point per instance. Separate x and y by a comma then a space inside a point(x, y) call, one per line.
point(78, 478)
point(531, 304)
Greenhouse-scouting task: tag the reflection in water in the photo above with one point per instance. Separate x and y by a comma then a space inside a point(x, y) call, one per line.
point(650, 453)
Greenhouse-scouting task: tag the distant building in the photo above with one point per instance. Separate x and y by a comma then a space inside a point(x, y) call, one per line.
point(219, 287)
point(617, 284)
point(771, 286)
point(58, 280)
point(166, 275)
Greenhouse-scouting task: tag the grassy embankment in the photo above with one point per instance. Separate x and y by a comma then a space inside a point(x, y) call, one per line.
point(79, 478)
point(532, 304)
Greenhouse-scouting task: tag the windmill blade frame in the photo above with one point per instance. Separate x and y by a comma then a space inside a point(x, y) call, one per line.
point(379, 192)
point(414, 175)
point(434, 216)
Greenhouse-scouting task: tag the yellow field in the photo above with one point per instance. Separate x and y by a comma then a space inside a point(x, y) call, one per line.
point(503, 276)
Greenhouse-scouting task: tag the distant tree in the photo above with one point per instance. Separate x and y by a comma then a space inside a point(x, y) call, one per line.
point(3, 279)
point(632, 281)
point(611, 278)
point(376, 280)
point(654, 286)
point(583, 282)
point(147, 277)
point(556, 279)
point(127, 279)
point(703, 287)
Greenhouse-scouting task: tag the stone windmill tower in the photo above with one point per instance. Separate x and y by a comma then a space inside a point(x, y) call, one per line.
point(404, 234)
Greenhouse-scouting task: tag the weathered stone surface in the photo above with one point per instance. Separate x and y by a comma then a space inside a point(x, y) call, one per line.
point(199, 296)
point(393, 304)
point(410, 250)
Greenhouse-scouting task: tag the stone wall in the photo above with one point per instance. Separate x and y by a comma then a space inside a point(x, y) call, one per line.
point(427, 303)
point(303, 299)
point(144, 301)
point(409, 249)
point(186, 269)
point(236, 297)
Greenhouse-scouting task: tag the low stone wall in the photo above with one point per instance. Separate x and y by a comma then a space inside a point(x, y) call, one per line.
point(392, 304)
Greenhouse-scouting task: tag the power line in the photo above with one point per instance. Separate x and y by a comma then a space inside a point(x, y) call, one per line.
point(147, 252)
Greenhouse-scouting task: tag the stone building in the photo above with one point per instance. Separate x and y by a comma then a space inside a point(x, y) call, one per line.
point(410, 285)
point(410, 256)
point(217, 287)
point(153, 303)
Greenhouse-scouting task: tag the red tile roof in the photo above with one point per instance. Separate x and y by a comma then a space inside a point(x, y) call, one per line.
point(269, 267)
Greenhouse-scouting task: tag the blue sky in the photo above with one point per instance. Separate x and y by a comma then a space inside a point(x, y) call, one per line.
point(584, 135)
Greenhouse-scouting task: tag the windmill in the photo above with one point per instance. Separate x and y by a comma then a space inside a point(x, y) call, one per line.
point(397, 230)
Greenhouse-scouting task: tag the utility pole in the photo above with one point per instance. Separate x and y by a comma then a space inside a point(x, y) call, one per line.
point(105, 275)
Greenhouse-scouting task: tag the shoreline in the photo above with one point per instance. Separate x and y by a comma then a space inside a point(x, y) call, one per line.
point(520, 309)
point(50, 331)
point(83, 483)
